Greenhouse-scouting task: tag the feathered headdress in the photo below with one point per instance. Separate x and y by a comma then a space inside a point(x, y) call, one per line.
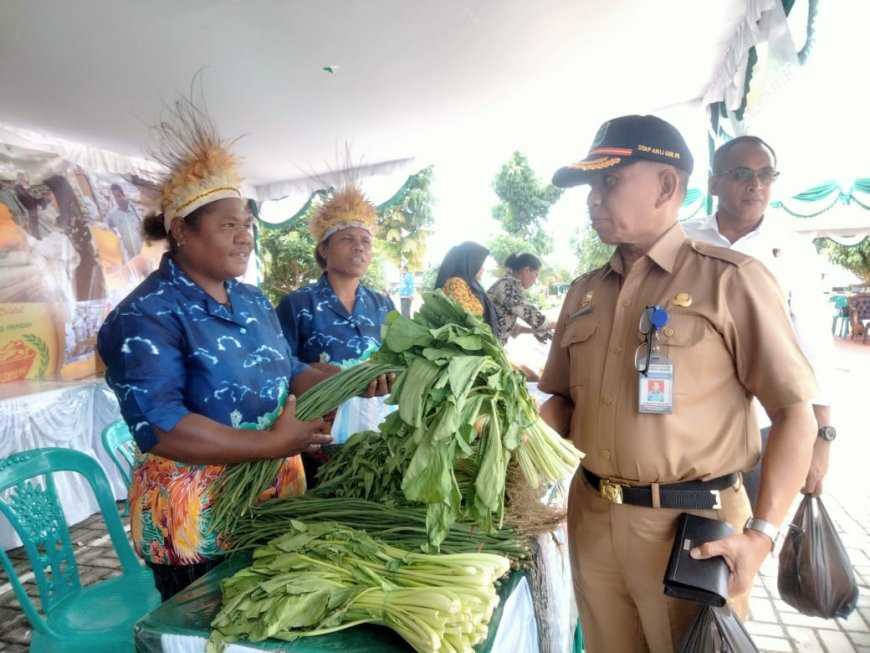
point(348, 207)
point(201, 167)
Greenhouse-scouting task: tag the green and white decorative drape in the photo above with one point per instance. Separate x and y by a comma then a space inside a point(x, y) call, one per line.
point(731, 91)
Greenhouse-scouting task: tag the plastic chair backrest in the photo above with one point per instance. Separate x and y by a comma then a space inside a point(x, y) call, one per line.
point(30, 502)
point(120, 446)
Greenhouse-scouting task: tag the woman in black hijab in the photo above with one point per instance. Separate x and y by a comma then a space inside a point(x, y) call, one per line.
point(459, 276)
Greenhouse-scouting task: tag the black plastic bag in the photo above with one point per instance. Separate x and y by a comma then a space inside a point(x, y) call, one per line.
point(815, 574)
point(717, 630)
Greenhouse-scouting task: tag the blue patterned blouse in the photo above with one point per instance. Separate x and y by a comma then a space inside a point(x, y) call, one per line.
point(320, 330)
point(170, 349)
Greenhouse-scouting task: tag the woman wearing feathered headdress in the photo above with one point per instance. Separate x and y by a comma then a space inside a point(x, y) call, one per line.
point(337, 320)
point(194, 355)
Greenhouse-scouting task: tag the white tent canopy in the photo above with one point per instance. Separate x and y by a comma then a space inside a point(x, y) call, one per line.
point(396, 81)
point(461, 84)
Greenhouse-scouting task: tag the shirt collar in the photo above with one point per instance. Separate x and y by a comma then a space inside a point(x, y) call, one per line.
point(708, 222)
point(764, 226)
point(172, 272)
point(663, 252)
point(323, 286)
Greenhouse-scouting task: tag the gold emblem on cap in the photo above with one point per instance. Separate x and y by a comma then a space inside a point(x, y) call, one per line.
point(683, 299)
point(596, 164)
point(587, 299)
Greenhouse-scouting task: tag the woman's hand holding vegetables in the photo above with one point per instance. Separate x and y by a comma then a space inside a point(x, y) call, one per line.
point(299, 436)
point(381, 386)
point(327, 368)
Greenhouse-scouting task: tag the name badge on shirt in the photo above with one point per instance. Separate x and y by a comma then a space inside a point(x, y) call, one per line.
point(655, 389)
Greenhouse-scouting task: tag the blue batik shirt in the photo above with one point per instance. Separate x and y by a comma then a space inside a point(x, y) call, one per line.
point(320, 329)
point(171, 349)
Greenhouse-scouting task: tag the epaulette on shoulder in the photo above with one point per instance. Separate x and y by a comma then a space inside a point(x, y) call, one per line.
point(585, 275)
point(722, 253)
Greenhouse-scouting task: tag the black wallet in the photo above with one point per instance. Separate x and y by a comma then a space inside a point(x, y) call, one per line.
point(702, 581)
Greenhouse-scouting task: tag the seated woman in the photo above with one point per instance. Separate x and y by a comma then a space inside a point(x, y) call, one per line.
point(508, 297)
point(459, 278)
point(193, 355)
point(336, 320)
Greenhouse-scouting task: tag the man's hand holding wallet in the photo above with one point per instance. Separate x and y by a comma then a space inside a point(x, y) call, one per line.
point(743, 554)
point(692, 579)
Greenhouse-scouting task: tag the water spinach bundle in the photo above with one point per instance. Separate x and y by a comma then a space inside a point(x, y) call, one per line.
point(404, 526)
point(320, 578)
point(239, 488)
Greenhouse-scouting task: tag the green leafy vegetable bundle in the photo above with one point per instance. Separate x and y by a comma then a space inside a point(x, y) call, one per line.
point(463, 412)
point(319, 578)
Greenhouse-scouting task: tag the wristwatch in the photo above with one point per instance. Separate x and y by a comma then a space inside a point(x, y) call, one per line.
point(765, 527)
point(828, 433)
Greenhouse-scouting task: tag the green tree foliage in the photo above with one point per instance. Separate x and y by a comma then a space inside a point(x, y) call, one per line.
point(504, 244)
point(591, 252)
point(427, 282)
point(855, 258)
point(288, 260)
point(404, 228)
point(524, 203)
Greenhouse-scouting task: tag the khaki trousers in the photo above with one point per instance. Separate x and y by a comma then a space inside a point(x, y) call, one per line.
point(618, 558)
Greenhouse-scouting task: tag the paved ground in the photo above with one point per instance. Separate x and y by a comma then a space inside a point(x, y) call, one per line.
point(774, 625)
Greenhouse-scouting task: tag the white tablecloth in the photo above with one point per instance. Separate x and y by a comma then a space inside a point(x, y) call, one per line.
point(59, 414)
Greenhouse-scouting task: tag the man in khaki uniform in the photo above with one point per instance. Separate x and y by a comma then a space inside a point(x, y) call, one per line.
point(712, 326)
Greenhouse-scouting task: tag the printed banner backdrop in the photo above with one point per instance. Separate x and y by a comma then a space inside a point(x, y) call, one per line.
point(70, 249)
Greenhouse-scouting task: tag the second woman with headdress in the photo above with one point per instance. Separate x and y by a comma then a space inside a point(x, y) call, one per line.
point(336, 320)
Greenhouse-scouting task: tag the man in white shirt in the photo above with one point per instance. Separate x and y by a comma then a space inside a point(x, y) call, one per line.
point(743, 171)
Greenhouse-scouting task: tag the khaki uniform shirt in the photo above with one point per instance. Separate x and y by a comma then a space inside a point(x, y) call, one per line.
point(728, 337)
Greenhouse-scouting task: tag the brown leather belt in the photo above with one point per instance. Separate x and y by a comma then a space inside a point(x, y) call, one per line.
point(691, 495)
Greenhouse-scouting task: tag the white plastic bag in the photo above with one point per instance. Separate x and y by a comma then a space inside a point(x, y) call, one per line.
point(359, 414)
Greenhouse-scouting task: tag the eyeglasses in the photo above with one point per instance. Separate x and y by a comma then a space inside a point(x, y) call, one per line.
point(742, 175)
point(653, 318)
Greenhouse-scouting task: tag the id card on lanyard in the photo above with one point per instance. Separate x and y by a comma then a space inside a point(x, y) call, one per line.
point(655, 373)
point(655, 390)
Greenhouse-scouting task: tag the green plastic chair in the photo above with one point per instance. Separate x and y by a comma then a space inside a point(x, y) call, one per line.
point(71, 618)
point(840, 324)
point(120, 447)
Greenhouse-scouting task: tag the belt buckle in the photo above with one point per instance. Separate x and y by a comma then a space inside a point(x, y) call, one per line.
point(717, 500)
point(610, 490)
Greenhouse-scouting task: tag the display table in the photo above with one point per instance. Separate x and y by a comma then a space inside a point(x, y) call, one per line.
point(181, 625)
point(71, 415)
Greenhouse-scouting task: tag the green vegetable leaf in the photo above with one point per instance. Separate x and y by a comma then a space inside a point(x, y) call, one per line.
point(419, 377)
point(462, 371)
point(447, 422)
point(402, 333)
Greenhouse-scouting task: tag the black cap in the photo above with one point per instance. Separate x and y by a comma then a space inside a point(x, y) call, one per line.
point(626, 140)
